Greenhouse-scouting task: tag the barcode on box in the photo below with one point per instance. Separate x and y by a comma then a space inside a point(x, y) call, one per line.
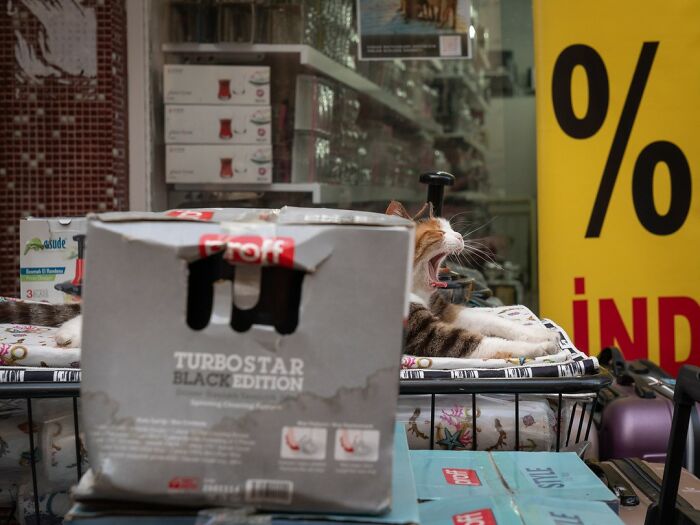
point(269, 491)
point(450, 46)
point(66, 376)
point(11, 376)
point(412, 374)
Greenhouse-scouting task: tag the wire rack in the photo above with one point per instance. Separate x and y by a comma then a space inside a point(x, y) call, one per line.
point(581, 390)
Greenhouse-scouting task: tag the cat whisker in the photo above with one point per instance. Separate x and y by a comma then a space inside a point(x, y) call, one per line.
point(480, 227)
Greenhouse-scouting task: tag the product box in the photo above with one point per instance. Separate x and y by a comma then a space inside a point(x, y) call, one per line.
point(504, 510)
point(442, 474)
point(188, 84)
point(560, 475)
point(557, 511)
point(218, 124)
point(218, 164)
point(245, 356)
point(482, 510)
point(49, 258)
point(404, 507)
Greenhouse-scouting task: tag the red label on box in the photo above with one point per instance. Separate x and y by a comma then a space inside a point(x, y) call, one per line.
point(475, 517)
point(183, 483)
point(461, 476)
point(249, 249)
point(193, 215)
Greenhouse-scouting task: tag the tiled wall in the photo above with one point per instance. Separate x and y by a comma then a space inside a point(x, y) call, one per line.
point(62, 115)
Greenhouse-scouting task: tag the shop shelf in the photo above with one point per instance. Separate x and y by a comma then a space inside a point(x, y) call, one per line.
point(317, 61)
point(464, 138)
point(321, 193)
point(477, 97)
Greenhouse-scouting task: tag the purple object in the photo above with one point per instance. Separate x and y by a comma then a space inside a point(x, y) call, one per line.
point(634, 427)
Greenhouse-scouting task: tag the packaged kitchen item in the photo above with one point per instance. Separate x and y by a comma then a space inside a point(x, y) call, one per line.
point(482, 510)
point(49, 259)
point(314, 104)
point(189, 124)
point(218, 164)
point(311, 157)
point(560, 475)
point(404, 505)
point(443, 474)
point(187, 84)
point(563, 511)
point(214, 368)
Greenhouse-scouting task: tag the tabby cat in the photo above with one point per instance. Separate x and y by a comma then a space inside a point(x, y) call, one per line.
point(437, 328)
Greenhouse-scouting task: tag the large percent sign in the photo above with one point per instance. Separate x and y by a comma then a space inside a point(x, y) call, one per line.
point(589, 124)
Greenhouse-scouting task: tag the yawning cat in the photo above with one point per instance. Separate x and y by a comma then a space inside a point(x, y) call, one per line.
point(439, 329)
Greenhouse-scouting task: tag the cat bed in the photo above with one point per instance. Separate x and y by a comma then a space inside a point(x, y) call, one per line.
point(34, 346)
point(31, 346)
point(568, 362)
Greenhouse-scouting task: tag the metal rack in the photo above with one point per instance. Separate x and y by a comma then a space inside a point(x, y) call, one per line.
point(561, 387)
point(42, 390)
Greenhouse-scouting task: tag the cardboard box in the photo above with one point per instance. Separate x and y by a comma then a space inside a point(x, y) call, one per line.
point(561, 475)
point(235, 164)
point(443, 474)
point(187, 84)
point(48, 252)
point(282, 396)
point(218, 124)
point(517, 510)
point(556, 511)
point(483, 510)
point(404, 508)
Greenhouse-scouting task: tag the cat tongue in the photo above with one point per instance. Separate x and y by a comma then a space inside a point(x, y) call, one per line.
point(438, 284)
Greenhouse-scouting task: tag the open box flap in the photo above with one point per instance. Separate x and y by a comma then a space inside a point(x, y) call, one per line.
point(287, 215)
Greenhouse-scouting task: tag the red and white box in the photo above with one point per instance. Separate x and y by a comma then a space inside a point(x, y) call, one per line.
point(234, 164)
point(226, 85)
point(189, 124)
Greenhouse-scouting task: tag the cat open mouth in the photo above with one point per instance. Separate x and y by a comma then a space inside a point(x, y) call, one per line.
point(434, 270)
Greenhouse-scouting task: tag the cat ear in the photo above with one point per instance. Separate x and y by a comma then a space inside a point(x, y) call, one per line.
point(396, 208)
point(425, 211)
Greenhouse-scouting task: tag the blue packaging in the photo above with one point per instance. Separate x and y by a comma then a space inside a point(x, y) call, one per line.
point(551, 511)
point(561, 475)
point(470, 511)
point(442, 474)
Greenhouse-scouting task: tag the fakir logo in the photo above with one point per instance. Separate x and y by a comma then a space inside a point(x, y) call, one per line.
point(195, 215)
point(475, 517)
point(461, 476)
point(249, 249)
point(183, 483)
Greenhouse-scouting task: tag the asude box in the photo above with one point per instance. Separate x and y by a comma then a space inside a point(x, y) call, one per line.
point(282, 396)
point(189, 84)
point(228, 164)
point(187, 124)
point(48, 256)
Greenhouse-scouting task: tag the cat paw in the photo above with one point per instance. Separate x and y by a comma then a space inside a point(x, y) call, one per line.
point(539, 334)
point(541, 349)
point(68, 335)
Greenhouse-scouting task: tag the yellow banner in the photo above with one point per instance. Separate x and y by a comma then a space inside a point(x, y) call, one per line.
point(618, 147)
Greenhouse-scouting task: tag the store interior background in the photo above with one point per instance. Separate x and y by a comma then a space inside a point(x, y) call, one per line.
point(110, 156)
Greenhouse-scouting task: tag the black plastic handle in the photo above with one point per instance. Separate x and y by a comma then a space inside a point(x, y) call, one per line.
point(436, 181)
point(686, 393)
point(80, 238)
